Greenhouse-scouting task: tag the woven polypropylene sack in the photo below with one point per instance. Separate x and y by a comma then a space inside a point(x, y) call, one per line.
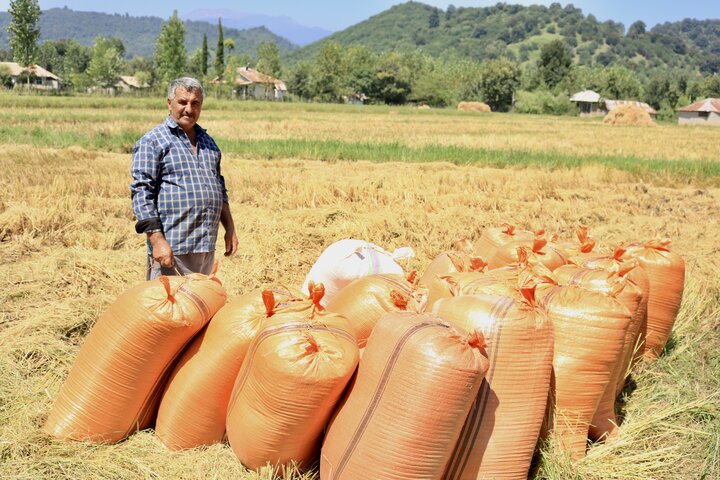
point(115, 382)
point(635, 272)
point(589, 329)
point(548, 254)
point(604, 422)
point(493, 238)
point(292, 378)
point(415, 384)
point(194, 405)
point(666, 276)
point(367, 299)
point(350, 259)
point(502, 429)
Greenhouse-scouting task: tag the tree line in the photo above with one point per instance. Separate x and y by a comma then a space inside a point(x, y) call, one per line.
point(338, 73)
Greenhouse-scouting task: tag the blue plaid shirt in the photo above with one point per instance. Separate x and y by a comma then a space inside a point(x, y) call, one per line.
point(175, 190)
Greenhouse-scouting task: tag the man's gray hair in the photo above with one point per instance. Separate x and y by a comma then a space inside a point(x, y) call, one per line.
point(188, 83)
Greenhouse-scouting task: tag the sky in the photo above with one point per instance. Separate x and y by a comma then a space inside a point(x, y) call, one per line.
point(338, 15)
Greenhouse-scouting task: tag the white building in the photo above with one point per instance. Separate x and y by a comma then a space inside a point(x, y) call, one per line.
point(40, 78)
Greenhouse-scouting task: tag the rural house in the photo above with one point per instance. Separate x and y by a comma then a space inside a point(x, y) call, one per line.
point(589, 103)
point(704, 112)
point(250, 83)
point(127, 84)
point(40, 78)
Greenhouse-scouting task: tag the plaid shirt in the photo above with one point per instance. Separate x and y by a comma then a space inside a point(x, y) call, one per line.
point(176, 191)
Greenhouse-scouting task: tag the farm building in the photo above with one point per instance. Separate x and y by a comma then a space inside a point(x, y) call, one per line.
point(129, 84)
point(40, 78)
point(252, 84)
point(589, 103)
point(704, 112)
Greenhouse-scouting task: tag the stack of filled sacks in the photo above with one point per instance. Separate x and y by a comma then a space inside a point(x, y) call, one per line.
point(596, 303)
point(449, 375)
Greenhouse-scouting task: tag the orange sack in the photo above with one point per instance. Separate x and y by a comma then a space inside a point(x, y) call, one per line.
point(589, 329)
point(293, 376)
point(194, 405)
point(502, 429)
point(666, 275)
point(446, 263)
point(493, 238)
point(114, 384)
point(548, 254)
point(414, 387)
point(604, 423)
point(635, 273)
point(366, 299)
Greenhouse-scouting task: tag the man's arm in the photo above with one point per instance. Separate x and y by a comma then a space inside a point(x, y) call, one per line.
point(231, 241)
point(145, 171)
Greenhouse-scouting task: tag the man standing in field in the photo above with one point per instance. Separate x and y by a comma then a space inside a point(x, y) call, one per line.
point(178, 194)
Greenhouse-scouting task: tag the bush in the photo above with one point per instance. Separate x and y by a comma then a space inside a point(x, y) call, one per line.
point(543, 102)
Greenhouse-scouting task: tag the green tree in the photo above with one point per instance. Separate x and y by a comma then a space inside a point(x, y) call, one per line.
point(204, 56)
point(393, 80)
point(170, 57)
point(621, 83)
point(24, 31)
point(499, 79)
point(299, 81)
point(434, 20)
point(194, 64)
point(712, 86)
point(106, 63)
point(554, 62)
point(220, 52)
point(268, 59)
point(637, 29)
point(326, 76)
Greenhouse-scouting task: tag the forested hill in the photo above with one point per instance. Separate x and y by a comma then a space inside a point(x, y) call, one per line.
point(518, 33)
point(138, 34)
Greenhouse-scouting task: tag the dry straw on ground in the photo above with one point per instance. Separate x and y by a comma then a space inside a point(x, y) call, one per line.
point(69, 249)
point(474, 107)
point(629, 115)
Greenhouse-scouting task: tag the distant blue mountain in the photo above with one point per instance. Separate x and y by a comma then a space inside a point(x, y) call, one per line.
point(282, 25)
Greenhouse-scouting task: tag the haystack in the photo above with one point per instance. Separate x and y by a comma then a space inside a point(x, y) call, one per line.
point(474, 107)
point(629, 115)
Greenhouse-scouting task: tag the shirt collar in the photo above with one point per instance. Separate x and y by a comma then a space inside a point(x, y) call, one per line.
point(172, 124)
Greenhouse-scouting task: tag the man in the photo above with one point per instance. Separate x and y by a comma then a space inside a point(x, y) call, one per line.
point(178, 194)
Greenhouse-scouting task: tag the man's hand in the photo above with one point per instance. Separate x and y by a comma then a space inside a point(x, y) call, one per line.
point(231, 243)
point(161, 251)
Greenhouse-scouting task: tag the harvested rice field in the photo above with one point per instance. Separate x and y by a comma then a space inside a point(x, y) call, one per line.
point(303, 176)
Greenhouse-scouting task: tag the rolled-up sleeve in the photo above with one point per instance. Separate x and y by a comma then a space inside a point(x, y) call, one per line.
point(144, 188)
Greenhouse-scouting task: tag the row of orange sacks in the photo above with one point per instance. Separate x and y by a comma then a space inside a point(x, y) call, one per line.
point(271, 370)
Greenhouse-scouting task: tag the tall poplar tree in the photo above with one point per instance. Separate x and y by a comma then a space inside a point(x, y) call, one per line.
point(204, 64)
point(220, 53)
point(170, 57)
point(24, 31)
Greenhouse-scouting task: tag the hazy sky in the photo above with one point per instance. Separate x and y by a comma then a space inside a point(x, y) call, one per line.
point(338, 14)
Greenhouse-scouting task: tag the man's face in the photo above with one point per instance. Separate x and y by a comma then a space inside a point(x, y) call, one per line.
point(185, 107)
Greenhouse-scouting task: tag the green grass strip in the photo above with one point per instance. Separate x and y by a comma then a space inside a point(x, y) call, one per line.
point(329, 150)
point(689, 171)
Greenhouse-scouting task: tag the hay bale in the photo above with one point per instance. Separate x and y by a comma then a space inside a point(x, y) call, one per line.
point(424, 107)
point(629, 115)
point(474, 107)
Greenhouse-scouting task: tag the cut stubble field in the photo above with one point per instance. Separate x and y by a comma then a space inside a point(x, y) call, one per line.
point(299, 178)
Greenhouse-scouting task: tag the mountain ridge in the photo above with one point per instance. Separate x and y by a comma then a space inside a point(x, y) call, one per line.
point(139, 34)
